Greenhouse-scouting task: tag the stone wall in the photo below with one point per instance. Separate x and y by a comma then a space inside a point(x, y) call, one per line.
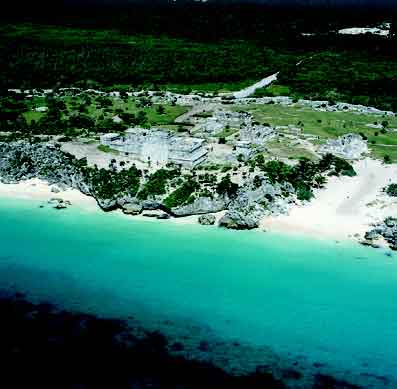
point(158, 146)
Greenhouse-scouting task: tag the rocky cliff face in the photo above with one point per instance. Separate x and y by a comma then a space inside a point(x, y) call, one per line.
point(254, 201)
point(202, 205)
point(22, 160)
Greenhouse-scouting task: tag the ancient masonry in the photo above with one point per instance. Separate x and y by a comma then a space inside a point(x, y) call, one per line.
point(348, 146)
point(158, 146)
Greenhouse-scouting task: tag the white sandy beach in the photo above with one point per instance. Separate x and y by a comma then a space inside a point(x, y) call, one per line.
point(36, 189)
point(344, 208)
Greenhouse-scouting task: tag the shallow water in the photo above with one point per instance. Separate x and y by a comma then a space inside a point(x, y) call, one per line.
point(327, 302)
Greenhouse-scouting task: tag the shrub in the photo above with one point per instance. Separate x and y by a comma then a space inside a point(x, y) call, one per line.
point(387, 159)
point(226, 186)
point(157, 183)
point(391, 190)
point(65, 139)
point(182, 195)
point(304, 192)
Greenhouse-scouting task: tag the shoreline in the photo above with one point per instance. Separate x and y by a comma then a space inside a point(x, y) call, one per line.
point(36, 189)
point(343, 210)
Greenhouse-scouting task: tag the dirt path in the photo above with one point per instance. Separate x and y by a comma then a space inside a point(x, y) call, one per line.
point(251, 89)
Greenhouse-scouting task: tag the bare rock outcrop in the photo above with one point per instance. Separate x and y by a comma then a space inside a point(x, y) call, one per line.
point(207, 220)
point(201, 205)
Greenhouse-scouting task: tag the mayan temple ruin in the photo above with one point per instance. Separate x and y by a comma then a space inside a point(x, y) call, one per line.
point(158, 146)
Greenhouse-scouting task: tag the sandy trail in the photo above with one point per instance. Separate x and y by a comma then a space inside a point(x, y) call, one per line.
point(251, 89)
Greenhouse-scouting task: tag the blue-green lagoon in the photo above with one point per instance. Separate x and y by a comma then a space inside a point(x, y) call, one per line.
point(325, 304)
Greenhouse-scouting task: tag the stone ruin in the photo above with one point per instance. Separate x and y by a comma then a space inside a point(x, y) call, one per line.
point(348, 146)
point(221, 119)
point(256, 133)
point(249, 131)
point(158, 146)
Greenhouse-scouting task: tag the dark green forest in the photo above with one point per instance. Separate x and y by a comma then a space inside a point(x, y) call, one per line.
point(202, 48)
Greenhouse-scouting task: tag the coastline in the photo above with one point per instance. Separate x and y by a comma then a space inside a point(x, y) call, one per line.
point(39, 190)
point(344, 210)
point(36, 189)
point(347, 206)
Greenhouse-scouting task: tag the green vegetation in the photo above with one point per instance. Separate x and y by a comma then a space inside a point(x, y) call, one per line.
point(323, 126)
point(283, 147)
point(107, 57)
point(227, 187)
point(107, 149)
point(391, 190)
point(182, 195)
point(157, 183)
point(200, 47)
point(355, 76)
point(273, 90)
point(225, 133)
point(73, 115)
point(305, 175)
point(109, 183)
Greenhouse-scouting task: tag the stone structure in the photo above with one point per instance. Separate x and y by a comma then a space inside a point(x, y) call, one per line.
point(256, 133)
point(158, 146)
point(221, 119)
point(349, 146)
point(244, 149)
point(250, 132)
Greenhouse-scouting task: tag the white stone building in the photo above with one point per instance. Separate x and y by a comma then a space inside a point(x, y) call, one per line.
point(158, 146)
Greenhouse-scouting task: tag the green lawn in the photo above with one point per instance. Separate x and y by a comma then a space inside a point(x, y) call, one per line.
point(282, 148)
point(32, 115)
point(227, 132)
point(273, 90)
point(327, 125)
point(130, 105)
point(107, 149)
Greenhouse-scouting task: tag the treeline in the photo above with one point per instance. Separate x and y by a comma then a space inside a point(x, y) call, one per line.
point(193, 20)
point(156, 46)
point(367, 78)
point(32, 62)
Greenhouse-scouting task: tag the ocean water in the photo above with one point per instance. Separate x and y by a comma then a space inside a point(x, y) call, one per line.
point(322, 301)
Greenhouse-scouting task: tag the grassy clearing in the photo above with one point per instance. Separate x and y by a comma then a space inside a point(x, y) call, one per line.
point(96, 112)
point(214, 87)
point(380, 151)
point(284, 148)
point(227, 132)
point(326, 125)
point(273, 90)
point(107, 149)
point(32, 115)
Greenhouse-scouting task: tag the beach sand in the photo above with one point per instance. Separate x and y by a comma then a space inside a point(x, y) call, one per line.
point(344, 209)
point(347, 206)
point(36, 189)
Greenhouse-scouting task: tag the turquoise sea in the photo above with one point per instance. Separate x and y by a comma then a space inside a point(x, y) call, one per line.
point(325, 303)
